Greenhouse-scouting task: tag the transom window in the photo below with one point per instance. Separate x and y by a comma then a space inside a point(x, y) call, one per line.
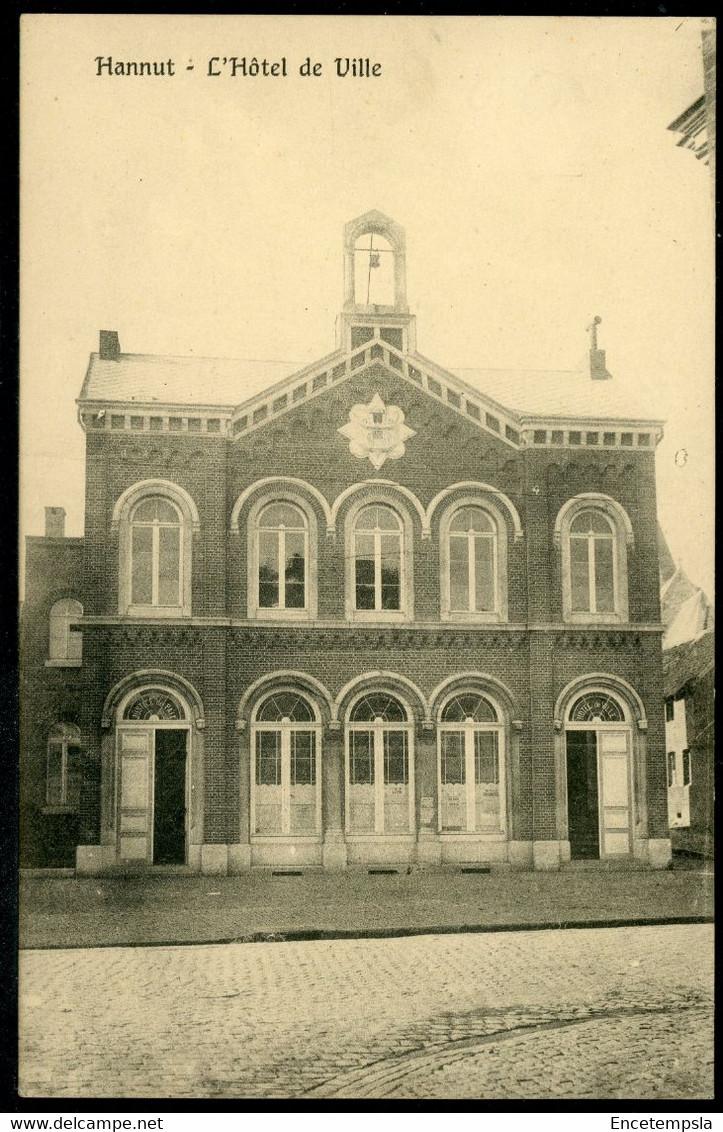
point(472, 562)
point(156, 574)
point(63, 769)
point(283, 549)
point(286, 786)
point(596, 707)
point(380, 787)
point(378, 559)
point(592, 563)
point(471, 794)
point(153, 705)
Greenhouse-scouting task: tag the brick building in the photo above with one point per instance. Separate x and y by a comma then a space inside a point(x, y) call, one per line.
point(368, 612)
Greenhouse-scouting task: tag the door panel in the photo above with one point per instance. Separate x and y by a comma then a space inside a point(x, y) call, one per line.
point(169, 800)
point(615, 801)
point(134, 757)
point(582, 795)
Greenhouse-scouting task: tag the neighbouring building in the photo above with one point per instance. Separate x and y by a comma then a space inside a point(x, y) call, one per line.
point(368, 612)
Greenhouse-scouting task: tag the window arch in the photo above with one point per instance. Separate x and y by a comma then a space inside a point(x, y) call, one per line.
point(156, 520)
point(379, 557)
point(63, 766)
point(471, 766)
point(285, 766)
point(379, 766)
point(594, 532)
point(473, 553)
point(66, 644)
point(282, 534)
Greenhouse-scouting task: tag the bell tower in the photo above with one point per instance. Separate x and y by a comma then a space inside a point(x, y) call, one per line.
point(375, 285)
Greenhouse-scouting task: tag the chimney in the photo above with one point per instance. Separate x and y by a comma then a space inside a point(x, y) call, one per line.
point(109, 348)
point(598, 369)
point(55, 522)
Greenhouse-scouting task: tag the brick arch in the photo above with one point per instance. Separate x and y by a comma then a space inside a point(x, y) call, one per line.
point(145, 676)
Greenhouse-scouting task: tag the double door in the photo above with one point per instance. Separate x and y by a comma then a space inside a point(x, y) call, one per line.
point(599, 792)
point(152, 794)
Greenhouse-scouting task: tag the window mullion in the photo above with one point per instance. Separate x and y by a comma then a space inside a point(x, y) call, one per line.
point(377, 570)
point(281, 561)
point(155, 559)
point(471, 779)
point(472, 567)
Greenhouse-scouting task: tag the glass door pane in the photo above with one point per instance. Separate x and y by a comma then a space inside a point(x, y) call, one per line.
point(361, 781)
point(487, 782)
point(302, 793)
point(396, 782)
point(453, 806)
point(268, 801)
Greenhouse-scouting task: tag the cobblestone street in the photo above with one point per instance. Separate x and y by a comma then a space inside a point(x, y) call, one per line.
point(597, 1013)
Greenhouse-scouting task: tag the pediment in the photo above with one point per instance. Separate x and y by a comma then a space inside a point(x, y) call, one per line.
point(440, 387)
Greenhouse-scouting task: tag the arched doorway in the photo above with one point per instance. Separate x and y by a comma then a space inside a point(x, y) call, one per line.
point(153, 728)
point(598, 746)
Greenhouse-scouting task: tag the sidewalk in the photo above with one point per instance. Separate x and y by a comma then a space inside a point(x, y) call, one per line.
point(100, 912)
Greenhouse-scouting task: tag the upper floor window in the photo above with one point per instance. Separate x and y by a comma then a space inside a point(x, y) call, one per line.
point(155, 519)
point(283, 550)
point(66, 643)
point(472, 546)
point(473, 552)
point(592, 563)
point(63, 771)
point(378, 545)
point(156, 554)
point(593, 531)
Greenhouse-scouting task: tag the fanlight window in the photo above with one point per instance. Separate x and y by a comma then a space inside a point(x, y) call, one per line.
point(66, 644)
point(373, 271)
point(596, 707)
point(378, 559)
point(472, 562)
point(283, 555)
point(156, 529)
point(471, 794)
point(469, 706)
point(380, 788)
point(285, 705)
point(153, 705)
point(286, 783)
point(63, 771)
point(378, 705)
point(592, 563)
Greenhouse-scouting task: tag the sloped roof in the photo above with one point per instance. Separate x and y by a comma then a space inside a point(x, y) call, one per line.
point(687, 661)
point(693, 617)
point(228, 382)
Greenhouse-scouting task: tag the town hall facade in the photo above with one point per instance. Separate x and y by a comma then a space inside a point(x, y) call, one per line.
point(369, 613)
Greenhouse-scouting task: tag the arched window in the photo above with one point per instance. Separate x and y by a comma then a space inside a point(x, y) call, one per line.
point(472, 562)
point(155, 520)
point(156, 565)
point(153, 705)
point(377, 551)
point(379, 758)
point(285, 778)
point(471, 766)
point(63, 769)
point(283, 550)
point(473, 552)
point(593, 532)
point(66, 644)
point(596, 707)
point(592, 563)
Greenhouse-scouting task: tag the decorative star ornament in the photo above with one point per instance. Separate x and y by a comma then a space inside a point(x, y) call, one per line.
point(376, 432)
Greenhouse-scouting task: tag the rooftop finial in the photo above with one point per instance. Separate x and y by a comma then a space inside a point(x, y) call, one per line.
point(598, 370)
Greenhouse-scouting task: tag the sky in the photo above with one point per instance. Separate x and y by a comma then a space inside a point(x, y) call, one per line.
point(527, 158)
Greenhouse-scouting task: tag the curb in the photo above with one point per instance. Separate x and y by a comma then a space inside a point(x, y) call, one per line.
point(311, 935)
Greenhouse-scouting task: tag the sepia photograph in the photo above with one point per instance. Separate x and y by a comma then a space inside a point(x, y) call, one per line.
point(366, 560)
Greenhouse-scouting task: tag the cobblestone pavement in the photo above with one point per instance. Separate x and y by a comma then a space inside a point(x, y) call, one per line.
point(596, 1013)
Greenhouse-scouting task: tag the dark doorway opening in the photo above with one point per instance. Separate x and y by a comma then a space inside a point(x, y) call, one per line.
point(169, 798)
point(582, 795)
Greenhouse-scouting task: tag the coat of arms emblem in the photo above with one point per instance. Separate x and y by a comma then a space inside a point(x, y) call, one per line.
point(376, 431)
